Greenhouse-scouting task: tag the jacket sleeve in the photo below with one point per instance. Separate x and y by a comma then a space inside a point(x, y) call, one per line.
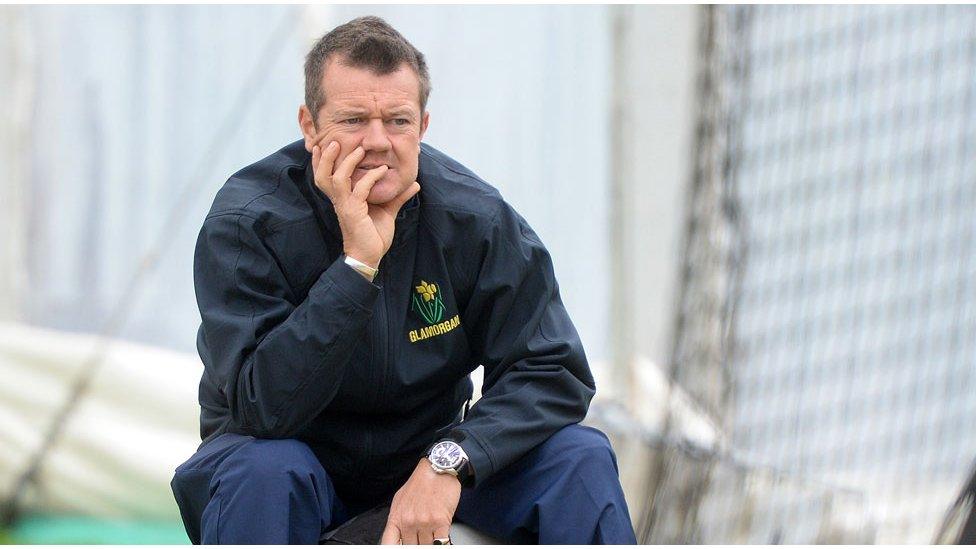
point(277, 362)
point(537, 379)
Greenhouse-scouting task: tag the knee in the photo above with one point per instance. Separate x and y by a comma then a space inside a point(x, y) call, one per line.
point(589, 485)
point(588, 445)
point(262, 463)
point(581, 436)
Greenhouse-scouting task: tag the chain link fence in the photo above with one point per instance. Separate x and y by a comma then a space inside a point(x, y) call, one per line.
point(827, 316)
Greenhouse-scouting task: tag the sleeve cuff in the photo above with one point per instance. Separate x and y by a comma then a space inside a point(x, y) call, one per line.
point(478, 457)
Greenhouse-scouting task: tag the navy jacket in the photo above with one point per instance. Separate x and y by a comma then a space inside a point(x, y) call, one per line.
point(296, 344)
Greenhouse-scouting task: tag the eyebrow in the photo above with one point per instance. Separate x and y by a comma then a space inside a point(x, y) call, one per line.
point(358, 112)
point(401, 111)
point(343, 113)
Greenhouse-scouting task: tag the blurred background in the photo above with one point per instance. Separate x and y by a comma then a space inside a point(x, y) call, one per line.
point(761, 219)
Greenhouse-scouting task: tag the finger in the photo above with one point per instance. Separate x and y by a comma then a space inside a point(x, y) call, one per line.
point(327, 160)
point(366, 182)
point(442, 532)
point(322, 162)
point(409, 537)
point(341, 178)
point(316, 172)
point(391, 535)
point(425, 537)
point(402, 198)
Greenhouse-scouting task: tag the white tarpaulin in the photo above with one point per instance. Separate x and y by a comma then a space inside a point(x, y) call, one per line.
point(139, 420)
point(117, 453)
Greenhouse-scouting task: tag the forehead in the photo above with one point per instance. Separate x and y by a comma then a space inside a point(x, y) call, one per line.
point(346, 86)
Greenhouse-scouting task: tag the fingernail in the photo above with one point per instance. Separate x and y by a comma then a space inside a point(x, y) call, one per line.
point(333, 144)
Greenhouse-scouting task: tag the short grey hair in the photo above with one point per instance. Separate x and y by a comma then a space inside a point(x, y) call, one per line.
point(365, 42)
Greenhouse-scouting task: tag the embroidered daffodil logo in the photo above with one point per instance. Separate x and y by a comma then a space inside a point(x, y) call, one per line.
point(428, 303)
point(427, 290)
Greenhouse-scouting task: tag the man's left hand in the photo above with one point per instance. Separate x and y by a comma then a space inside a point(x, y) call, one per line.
point(423, 508)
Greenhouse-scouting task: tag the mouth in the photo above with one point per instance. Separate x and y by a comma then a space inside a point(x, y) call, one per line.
point(367, 167)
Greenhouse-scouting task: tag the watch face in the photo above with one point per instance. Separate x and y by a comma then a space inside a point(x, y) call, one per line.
point(446, 455)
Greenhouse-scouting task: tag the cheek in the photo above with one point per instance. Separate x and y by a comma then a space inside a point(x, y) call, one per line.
point(407, 151)
point(346, 139)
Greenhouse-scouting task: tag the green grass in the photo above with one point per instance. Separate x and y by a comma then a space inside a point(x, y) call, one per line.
point(74, 530)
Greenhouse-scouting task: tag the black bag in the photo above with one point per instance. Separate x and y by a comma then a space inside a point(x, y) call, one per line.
point(364, 529)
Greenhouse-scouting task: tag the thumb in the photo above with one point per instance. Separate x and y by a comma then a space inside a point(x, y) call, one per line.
point(401, 199)
point(391, 535)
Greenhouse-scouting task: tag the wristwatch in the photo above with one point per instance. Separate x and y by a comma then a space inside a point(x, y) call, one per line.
point(447, 457)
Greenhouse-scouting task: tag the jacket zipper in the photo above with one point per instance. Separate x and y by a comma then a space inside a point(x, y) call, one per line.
point(376, 367)
point(383, 339)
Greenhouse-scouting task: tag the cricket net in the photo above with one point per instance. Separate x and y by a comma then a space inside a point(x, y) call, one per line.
point(827, 314)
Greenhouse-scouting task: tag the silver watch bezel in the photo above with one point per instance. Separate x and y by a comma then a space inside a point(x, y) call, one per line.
point(443, 464)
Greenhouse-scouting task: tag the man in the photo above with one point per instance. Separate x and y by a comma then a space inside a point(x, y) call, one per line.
point(348, 284)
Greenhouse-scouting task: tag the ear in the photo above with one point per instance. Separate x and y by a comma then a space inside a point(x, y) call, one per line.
point(425, 121)
point(307, 124)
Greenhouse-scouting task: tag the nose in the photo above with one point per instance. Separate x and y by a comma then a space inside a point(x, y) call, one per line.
point(376, 138)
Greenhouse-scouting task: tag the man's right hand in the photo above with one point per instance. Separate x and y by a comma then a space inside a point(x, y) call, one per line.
point(367, 229)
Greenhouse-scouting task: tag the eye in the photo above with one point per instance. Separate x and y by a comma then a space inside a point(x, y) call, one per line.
point(352, 121)
point(400, 121)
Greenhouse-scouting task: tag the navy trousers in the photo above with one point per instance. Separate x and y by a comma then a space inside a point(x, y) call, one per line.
point(238, 489)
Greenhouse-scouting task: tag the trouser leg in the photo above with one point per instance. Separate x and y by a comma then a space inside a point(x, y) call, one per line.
point(566, 490)
point(238, 489)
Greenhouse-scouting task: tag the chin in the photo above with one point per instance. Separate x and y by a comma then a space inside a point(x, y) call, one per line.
point(385, 191)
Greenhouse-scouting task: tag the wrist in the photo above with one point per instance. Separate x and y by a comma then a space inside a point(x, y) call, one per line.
point(426, 469)
point(366, 258)
point(368, 271)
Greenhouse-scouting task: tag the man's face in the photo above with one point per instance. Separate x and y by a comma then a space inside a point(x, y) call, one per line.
point(380, 113)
